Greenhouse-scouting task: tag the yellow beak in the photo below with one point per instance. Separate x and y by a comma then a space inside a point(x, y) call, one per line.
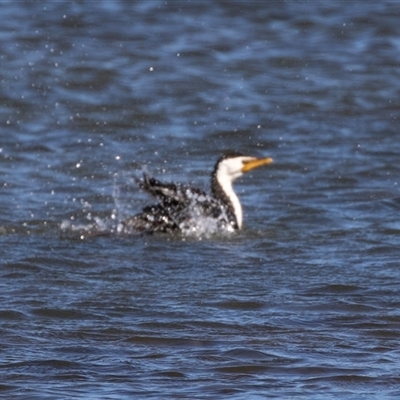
point(255, 163)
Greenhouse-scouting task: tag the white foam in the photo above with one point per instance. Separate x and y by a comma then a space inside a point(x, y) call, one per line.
point(200, 225)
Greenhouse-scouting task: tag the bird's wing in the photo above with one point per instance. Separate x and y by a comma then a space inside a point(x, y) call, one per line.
point(167, 192)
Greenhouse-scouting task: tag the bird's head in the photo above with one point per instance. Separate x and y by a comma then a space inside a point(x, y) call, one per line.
point(233, 165)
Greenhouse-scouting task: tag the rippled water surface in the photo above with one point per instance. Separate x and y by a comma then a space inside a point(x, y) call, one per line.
point(303, 302)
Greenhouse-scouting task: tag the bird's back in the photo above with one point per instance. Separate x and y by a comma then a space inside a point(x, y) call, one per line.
point(179, 207)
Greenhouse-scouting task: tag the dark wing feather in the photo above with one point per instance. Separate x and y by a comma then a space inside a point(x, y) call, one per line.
point(175, 206)
point(167, 193)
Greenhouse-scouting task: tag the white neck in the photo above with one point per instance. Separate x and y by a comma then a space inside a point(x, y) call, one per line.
point(226, 185)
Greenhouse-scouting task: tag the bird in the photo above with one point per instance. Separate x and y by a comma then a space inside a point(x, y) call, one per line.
point(179, 207)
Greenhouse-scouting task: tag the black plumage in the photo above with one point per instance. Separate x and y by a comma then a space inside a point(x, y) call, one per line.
point(177, 207)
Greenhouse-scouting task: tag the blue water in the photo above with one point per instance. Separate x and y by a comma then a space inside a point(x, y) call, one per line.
point(302, 303)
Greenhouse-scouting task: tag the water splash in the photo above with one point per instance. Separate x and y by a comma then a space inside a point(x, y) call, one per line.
point(200, 225)
point(129, 200)
point(89, 226)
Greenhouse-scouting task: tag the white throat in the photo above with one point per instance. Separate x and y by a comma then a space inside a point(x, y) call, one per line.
point(226, 185)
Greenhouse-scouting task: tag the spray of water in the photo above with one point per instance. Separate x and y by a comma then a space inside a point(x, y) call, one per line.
point(128, 200)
